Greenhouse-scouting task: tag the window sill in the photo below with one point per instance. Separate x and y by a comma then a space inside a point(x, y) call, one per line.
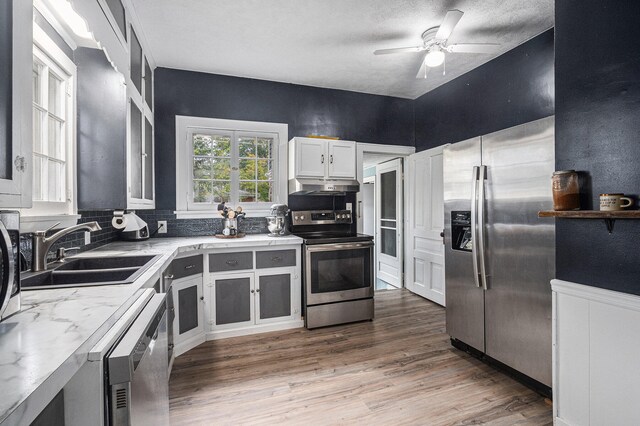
point(39, 223)
point(194, 214)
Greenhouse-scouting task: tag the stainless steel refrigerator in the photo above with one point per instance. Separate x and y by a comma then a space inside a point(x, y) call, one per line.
point(499, 256)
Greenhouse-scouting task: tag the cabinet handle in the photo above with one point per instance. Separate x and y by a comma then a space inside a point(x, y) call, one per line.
point(20, 163)
point(257, 290)
point(172, 310)
point(276, 259)
point(168, 277)
point(232, 262)
point(171, 345)
point(331, 159)
point(189, 266)
point(202, 298)
point(322, 159)
point(252, 291)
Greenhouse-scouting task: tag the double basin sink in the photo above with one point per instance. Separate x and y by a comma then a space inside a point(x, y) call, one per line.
point(88, 271)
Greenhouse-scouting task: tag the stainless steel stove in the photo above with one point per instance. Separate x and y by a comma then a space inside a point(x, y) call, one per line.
point(337, 264)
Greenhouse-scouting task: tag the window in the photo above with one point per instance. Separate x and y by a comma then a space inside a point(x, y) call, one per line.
point(231, 161)
point(53, 129)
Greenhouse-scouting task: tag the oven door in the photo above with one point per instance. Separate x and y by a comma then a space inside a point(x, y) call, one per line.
point(337, 272)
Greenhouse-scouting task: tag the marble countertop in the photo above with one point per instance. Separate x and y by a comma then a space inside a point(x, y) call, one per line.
point(45, 344)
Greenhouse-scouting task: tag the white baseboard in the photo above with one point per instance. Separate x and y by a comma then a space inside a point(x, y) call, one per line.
point(254, 329)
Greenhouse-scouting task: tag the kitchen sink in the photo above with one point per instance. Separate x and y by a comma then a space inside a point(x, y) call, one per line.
point(88, 271)
point(92, 263)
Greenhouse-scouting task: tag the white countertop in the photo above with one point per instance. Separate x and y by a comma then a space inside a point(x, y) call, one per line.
point(44, 345)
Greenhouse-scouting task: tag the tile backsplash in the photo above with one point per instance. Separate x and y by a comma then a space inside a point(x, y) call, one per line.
point(175, 228)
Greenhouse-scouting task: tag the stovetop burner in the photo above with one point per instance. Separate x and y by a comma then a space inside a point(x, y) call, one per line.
point(332, 237)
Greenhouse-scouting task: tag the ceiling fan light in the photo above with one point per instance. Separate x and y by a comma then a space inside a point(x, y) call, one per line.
point(434, 58)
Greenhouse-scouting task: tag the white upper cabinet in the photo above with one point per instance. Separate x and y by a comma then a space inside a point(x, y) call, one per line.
point(310, 157)
point(322, 159)
point(342, 160)
point(16, 62)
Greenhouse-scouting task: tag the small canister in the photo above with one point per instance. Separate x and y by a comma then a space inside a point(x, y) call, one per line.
point(566, 191)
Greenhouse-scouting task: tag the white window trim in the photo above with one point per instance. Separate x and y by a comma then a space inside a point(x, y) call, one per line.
point(40, 214)
point(183, 153)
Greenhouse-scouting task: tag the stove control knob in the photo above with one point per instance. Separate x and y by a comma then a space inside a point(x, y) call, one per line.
point(301, 217)
point(296, 218)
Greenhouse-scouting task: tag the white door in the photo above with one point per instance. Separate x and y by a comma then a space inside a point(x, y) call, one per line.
point(342, 159)
point(311, 157)
point(389, 218)
point(425, 222)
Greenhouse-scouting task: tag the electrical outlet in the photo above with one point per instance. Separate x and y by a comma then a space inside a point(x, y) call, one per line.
point(349, 206)
point(162, 227)
point(87, 237)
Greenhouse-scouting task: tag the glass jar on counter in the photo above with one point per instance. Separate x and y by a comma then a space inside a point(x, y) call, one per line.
point(566, 190)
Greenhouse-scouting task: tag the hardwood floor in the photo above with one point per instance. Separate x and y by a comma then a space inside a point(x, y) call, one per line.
point(396, 370)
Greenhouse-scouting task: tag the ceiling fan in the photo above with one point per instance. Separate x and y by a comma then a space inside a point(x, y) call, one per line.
point(434, 44)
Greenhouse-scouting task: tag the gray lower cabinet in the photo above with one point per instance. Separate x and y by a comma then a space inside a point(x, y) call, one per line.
point(252, 298)
point(188, 304)
point(273, 296)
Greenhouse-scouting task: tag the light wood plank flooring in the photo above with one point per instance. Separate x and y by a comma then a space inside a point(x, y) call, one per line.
point(396, 370)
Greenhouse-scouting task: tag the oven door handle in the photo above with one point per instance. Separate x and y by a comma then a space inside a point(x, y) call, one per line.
point(339, 246)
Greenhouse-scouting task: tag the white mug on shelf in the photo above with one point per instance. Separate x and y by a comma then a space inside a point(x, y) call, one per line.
point(613, 202)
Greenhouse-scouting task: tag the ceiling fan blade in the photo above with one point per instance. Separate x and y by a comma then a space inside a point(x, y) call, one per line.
point(448, 24)
point(400, 50)
point(473, 48)
point(423, 71)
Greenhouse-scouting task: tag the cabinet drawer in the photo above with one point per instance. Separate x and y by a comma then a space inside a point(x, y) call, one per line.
point(275, 258)
point(186, 266)
point(221, 262)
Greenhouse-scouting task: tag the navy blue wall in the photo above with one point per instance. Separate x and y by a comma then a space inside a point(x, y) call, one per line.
point(307, 110)
point(515, 88)
point(597, 132)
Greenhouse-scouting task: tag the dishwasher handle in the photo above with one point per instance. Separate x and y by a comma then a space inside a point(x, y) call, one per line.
point(137, 340)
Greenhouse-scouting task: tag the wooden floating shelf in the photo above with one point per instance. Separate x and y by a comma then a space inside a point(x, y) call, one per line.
point(591, 214)
point(608, 217)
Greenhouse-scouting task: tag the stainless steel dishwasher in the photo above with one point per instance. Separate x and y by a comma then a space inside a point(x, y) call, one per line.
point(136, 367)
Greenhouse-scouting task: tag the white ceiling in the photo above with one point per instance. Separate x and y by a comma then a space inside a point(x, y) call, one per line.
point(330, 43)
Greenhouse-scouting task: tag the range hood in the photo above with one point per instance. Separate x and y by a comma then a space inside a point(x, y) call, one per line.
point(308, 186)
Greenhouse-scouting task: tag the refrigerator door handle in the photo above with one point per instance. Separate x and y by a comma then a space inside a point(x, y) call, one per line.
point(481, 226)
point(474, 225)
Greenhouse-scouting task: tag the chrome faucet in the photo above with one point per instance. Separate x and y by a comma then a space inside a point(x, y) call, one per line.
point(41, 244)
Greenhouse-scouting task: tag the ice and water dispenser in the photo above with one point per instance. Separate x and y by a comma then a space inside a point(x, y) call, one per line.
point(461, 230)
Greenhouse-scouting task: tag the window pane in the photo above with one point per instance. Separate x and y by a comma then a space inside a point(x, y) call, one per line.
point(56, 145)
point(265, 192)
point(148, 160)
point(247, 170)
point(202, 191)
point(148, 84)
point(37, 83)
point(55, 182)
point(247, 147)
point(264, 147)
point(202, 167)
point(221, 191)
point(247, 192)
point(221, 168)
point(136, 150)
point(38, 118)
point(265, 170)
point(56, 96)
point(214, 145)
point(37, 178)
point(136, 61)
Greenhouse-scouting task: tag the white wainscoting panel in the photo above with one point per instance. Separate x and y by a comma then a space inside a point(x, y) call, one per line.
point(596, 359)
